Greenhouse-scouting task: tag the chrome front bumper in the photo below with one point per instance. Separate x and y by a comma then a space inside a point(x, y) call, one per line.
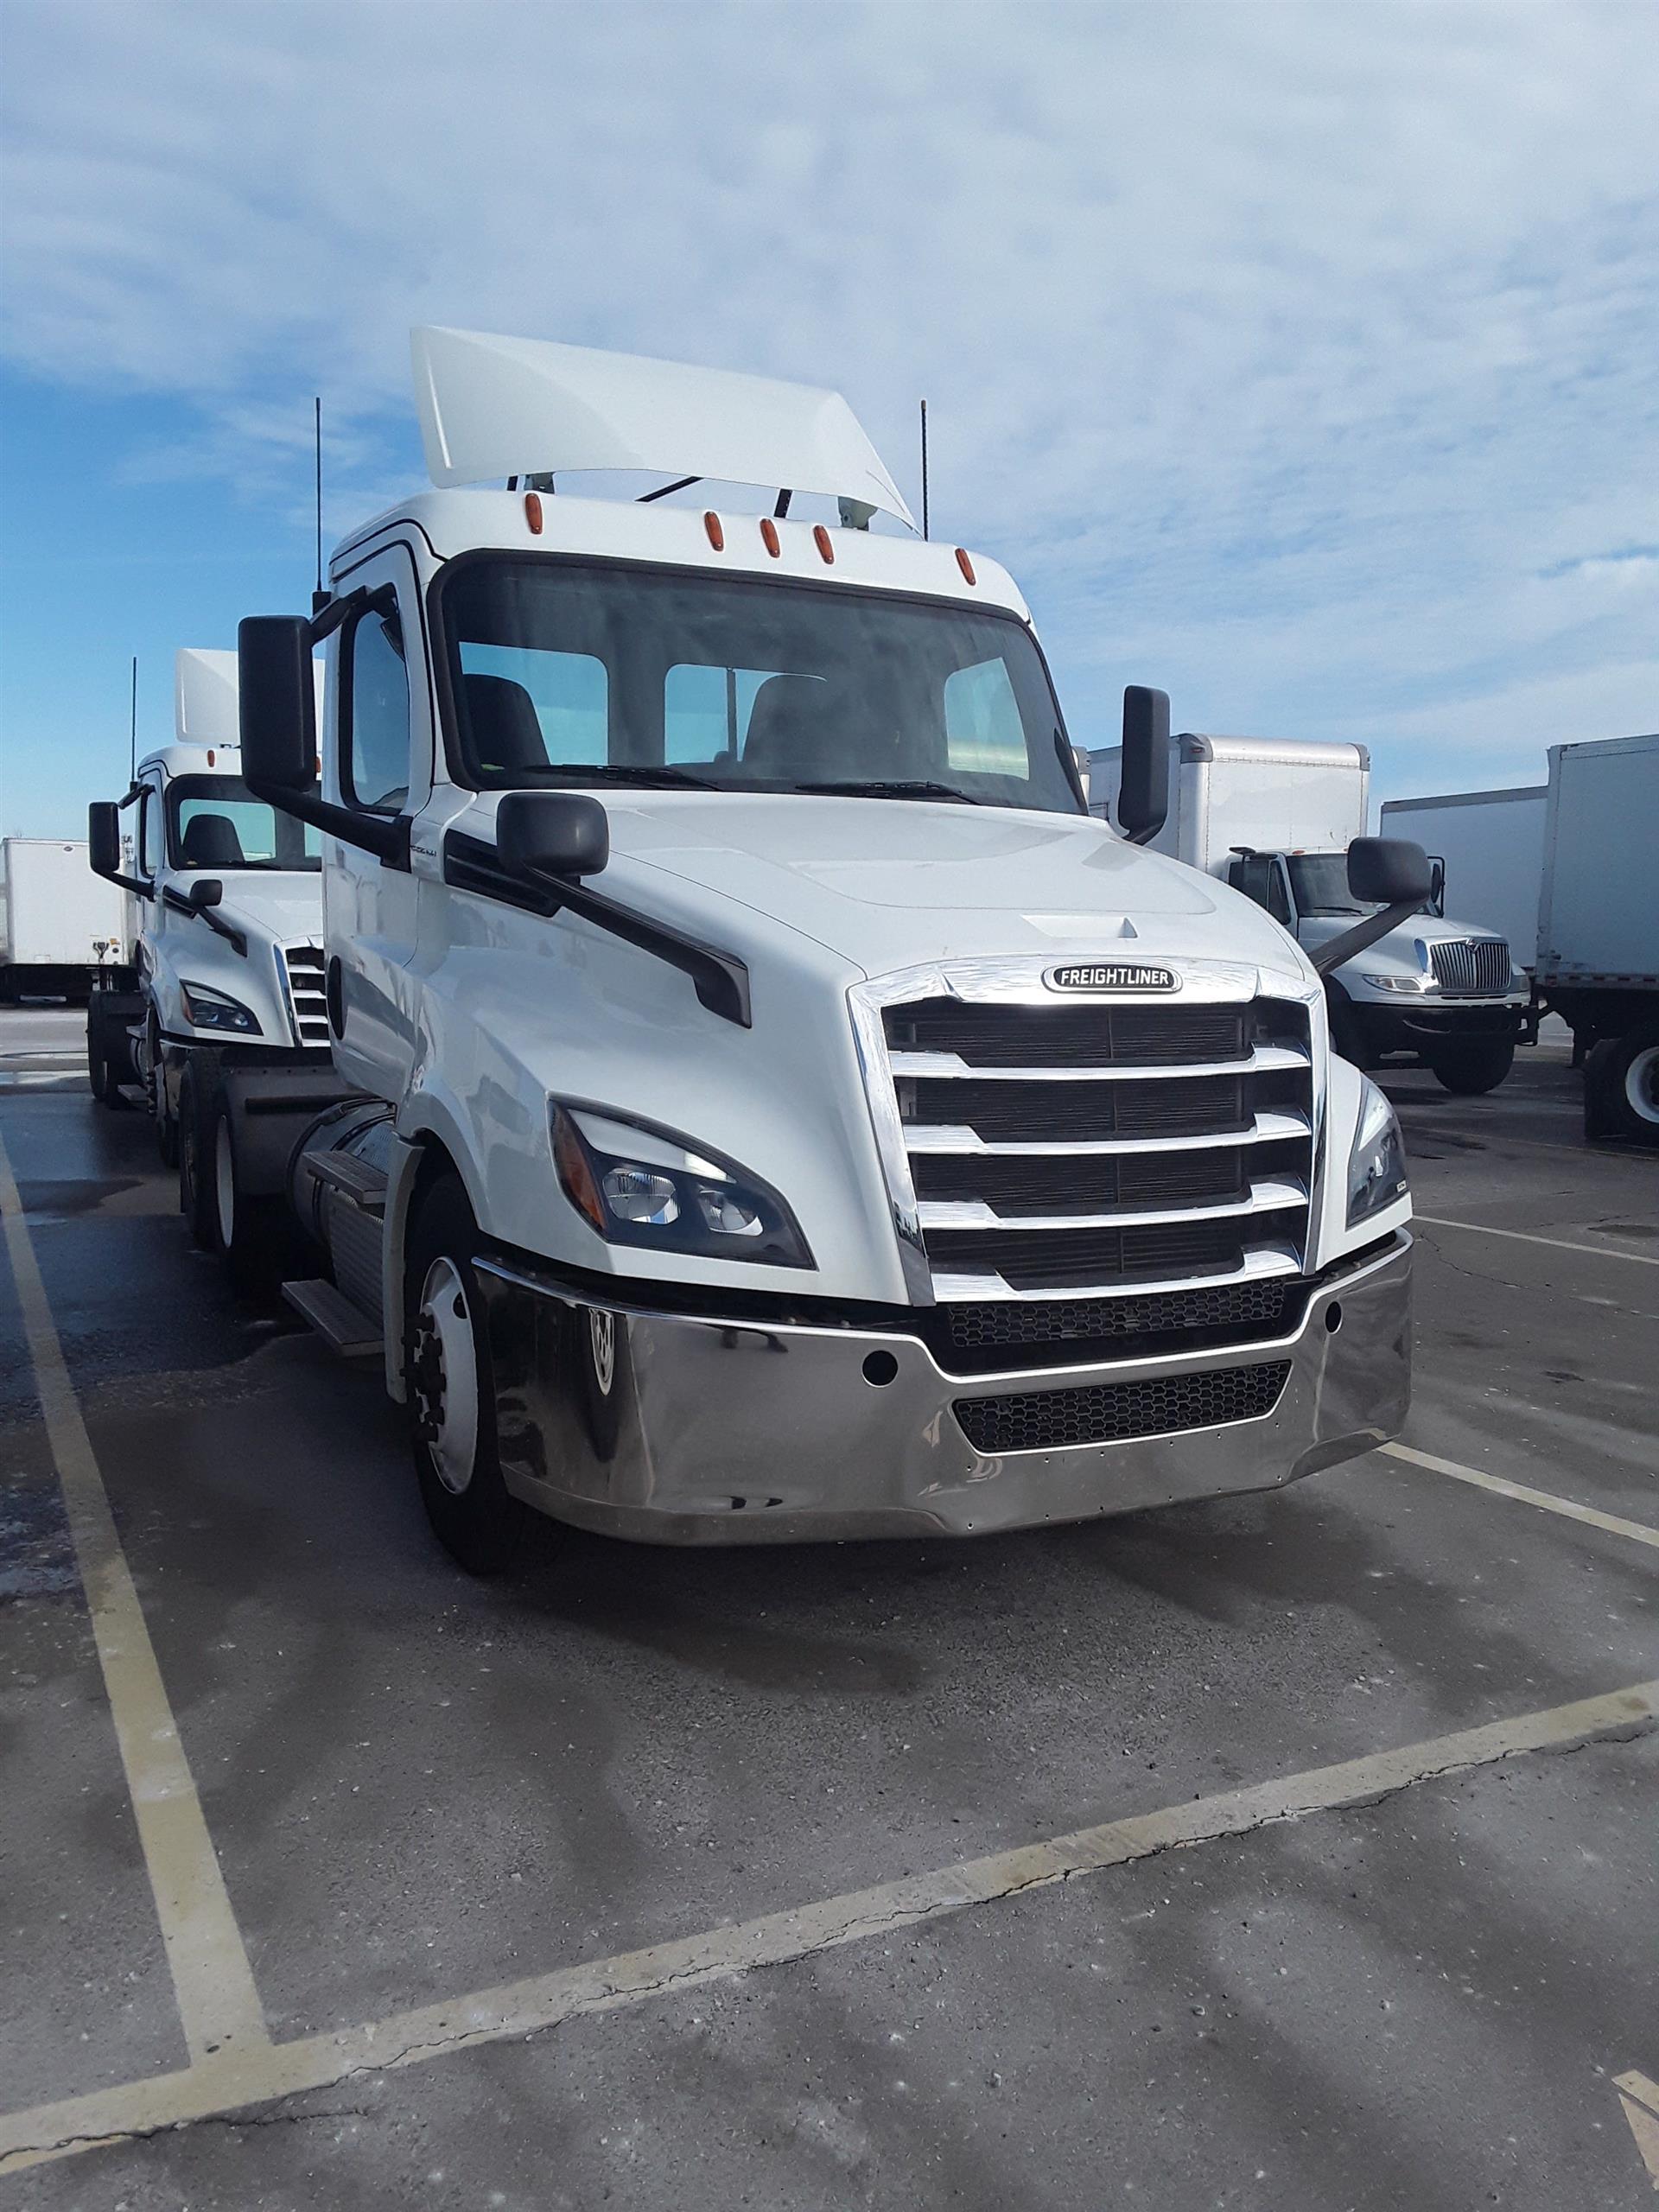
point(674, 1429)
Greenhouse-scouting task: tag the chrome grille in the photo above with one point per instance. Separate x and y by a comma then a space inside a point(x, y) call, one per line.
point(1095, 1147)
point(304, 967)
point(1473, 966)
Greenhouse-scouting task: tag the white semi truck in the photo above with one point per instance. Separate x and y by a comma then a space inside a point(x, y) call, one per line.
point(61, 929)
point(783, 1112)
point(1274, 817)
point(218, 1009)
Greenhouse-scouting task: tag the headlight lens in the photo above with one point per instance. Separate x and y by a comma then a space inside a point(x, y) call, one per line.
point(1376, 1166)
point(1414, 984)
point(636, 1184)
point(206, 1009)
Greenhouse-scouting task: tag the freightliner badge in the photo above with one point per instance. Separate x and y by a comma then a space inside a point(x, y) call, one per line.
point(1112, 975)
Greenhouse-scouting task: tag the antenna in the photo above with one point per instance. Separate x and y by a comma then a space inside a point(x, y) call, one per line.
point(132, 727)
point(923, 468)
point(319, 597)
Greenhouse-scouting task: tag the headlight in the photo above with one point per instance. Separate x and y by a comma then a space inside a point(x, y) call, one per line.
point(1411, 983)
point(206, 1009)
point(1376, 1166)
point(637, 1184)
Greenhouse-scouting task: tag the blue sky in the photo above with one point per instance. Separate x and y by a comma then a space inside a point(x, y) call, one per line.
point(1303, 359)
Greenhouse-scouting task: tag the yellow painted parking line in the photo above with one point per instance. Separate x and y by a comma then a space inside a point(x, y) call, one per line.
point(1639, 2099)
point(1568, 1508)
point(237, 2079)
point(219, 2005)
point(1523, 1236)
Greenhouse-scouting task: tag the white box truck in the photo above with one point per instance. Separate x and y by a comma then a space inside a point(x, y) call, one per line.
point(1599, 926)
point(59, 924)
point(783, 1111)
point(1274, 819)
point(1490, 847)
point(221, 998)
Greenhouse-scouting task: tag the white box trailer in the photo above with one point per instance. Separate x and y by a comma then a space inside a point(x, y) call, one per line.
point(1490, 845)
point(1598, 925)
point(59, 924)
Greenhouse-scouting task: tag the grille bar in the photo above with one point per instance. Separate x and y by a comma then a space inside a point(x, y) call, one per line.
point(305, 965)
point(1116, 1413)
point(990, 1033)
point(944, 1140)
point(972, 1213)
point(948, 1067)
point(1476, 966)
point(1259, 1261)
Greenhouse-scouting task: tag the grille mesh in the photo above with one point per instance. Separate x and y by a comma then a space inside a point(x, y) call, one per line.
point(1085, 1183)
point(1052, 1259)
point(992, 1036)
point(1478, 967)
point(1113, 1412)
point(1188, 1106)
point(1002, 1333)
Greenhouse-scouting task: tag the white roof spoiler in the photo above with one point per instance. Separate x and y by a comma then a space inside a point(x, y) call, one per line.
point(522, 406)
point(204, 697)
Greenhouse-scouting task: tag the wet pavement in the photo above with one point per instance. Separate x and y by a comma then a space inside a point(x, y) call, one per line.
point(418, 1786)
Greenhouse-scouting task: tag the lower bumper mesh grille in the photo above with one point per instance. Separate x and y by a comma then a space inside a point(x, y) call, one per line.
point(1115, 1413)
point(1000, 1333)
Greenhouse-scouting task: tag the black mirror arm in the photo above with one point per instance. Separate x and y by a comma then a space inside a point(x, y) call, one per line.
point(384, 836)
point(1363, 933)
point(180, 905)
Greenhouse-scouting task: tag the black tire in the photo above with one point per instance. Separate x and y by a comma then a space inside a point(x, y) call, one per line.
point(1468, 1070)
point(1621, 1088)
point(103, 1064)
point(247, 1231)
point(198, 1103)
point(473, 1515)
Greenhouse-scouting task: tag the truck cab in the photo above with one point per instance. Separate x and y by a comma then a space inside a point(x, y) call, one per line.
point(781, 1111)
point(226, 995)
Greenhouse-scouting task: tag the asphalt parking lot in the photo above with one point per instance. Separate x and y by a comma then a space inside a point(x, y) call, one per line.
point(1295, 1851)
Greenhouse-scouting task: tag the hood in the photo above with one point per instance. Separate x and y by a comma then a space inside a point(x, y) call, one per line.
point(280, 905)
point(887, 883)
point(1398, 949)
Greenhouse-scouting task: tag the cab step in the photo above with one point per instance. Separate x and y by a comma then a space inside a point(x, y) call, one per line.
point(344, 1327)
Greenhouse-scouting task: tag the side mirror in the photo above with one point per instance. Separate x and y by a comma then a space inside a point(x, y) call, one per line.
point(205, 891)
point(1143, 786)
point(1437, 887)
point(277, 704)
point(1388, 872)
point(103, 839)
point(552, 833)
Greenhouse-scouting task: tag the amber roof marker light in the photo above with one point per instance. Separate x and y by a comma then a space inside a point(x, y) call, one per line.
point(966, 566)
point(769, 536)
point(711, 522)
point(533, 512)
point(824, 543)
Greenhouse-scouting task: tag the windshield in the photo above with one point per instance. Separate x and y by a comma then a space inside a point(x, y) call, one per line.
point(563, 673)
point(1320, 881)
point(214, 822)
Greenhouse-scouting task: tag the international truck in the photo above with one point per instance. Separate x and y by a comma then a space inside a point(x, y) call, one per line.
point(1488, 848)
point(781, 1111)
point(1597, 963)
point(1274, 819)
point(217, 1011)
point(60, 927)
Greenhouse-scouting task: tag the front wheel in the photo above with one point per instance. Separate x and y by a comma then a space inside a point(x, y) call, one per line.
point(106, 1054)
point(450, 1387)
point(197, 1202)
point(1468, 1070)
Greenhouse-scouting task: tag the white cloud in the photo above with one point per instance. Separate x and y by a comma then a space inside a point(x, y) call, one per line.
point(1301, 358)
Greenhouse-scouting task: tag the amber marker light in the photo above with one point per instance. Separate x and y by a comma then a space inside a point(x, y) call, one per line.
point(533, 512)
point(711, 522)
point(769, 536)
point(824, 543)
point(966, 566)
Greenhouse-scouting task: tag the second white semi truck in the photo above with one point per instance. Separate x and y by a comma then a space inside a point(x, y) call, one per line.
point(218, 1012)
point(783, 1111)
point(1275, 817)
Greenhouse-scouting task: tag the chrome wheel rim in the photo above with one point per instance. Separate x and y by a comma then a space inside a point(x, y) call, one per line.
point(1642, 1084)
point(452, 1398)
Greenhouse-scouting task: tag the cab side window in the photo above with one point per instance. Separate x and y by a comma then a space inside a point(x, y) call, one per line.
point(149, 833)
point(1259, 876)
point(374, 710)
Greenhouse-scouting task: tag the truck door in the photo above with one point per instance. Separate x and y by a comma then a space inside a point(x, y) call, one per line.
point(381, 764)
point(1262, 877)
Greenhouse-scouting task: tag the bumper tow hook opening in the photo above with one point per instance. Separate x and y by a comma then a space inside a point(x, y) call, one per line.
point(879, 1367)
point(1332, 1317)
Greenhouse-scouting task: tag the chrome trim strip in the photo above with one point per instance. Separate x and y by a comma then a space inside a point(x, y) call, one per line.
point(948, 1067)
point(1260, 1261)
point(948, 1138)
point(975, 1213)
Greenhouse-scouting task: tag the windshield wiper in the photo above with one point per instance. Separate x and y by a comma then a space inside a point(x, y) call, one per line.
point(609, 773)
point(918, 788)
